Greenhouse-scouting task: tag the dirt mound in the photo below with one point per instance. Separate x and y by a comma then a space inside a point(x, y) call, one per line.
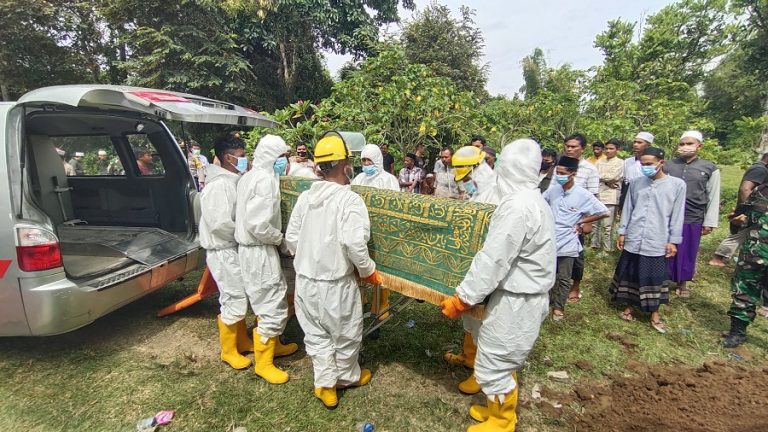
point(715, 397)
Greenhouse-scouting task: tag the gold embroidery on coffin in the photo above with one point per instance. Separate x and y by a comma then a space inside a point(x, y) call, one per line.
point(431, 239)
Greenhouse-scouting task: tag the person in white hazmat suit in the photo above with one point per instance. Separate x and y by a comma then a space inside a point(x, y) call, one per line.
point(375, 176)
point(329, 231)
point(217, 237)
point(480, 184)
point(257, 231)
point(516, 267)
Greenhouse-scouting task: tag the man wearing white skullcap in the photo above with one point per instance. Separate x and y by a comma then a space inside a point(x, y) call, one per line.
point(77, 163)
point(632, 170)
point(102, 164)
point(702, 206)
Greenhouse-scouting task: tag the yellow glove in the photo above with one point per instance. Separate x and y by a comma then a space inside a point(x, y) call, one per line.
point(374, 278)
point(452, 307)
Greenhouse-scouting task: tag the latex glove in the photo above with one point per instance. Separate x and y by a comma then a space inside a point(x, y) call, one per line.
point(374, 278)
point(452, 307)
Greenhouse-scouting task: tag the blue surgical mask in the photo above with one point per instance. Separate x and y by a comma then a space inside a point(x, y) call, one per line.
point(561, 179)
point(470, 187)
point(280, 165)
point(649, 170)
point(242, 164)
point(370, 170)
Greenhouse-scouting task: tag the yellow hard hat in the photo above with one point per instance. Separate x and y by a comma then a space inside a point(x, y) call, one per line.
point(465, 159)
point(331, 148)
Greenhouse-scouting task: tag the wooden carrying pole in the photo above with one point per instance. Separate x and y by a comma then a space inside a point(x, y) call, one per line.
point(206, 287)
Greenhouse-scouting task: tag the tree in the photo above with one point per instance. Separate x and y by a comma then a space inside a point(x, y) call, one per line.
point(390, 100)
point(288, 27)
point(733, 91)
point(40, 45)
point(534, 73)
point(449, 47)
point(755, 46)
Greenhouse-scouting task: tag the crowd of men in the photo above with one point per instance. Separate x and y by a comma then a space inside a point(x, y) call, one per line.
point(104, 165)
point(530, 266)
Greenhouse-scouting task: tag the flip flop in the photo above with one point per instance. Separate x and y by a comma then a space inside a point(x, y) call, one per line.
point(683, 293)
point(762, 311)
point(659, 326)
point(627, 316)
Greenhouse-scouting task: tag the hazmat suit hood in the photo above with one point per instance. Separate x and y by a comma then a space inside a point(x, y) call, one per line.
point(380, 180)
point(215, 172)
point(518, 167)
point(373, 152)
point(270, 148)
point(322, 191)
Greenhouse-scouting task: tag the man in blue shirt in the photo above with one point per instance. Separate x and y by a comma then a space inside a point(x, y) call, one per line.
point(574, 209)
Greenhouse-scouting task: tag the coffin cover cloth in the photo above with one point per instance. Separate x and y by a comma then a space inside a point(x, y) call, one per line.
point(422, 245)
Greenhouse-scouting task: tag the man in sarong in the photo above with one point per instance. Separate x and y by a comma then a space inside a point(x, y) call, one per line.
point(651, 228)
point(702, 206)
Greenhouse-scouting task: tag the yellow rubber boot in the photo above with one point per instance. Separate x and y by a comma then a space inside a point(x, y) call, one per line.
point(327, 396)
point(467, 356)
point(384, 303)
point(365, 378)
point(264, 354)
point(481, 413)
point(284, 350)
point(501, 417)
point(244, 343)
point(228, 341)
point(469, 386)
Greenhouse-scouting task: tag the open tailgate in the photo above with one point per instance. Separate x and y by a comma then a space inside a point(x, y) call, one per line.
point(164, 104)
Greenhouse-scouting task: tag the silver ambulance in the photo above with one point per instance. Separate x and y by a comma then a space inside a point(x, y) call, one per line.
point(98, 200)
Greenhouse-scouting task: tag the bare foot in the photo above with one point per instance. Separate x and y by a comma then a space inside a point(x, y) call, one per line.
point(717, 261)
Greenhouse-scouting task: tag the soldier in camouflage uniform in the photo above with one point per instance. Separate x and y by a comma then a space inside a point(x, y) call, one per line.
point(750, 278)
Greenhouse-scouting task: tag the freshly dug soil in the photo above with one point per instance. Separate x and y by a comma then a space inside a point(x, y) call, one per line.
point(716, 397)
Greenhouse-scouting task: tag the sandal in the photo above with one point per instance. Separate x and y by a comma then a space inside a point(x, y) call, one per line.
point(683, 293)
point(659, 326)
point(627, 316)
point(574, 298)
point(558, 317)
point(762, 311)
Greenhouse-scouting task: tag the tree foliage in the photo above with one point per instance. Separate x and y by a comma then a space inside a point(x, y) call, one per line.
point(451, 48)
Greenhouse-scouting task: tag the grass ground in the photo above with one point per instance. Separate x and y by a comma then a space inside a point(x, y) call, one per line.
point(129, 364)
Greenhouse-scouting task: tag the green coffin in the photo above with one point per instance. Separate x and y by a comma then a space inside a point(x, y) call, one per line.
point(427, 241)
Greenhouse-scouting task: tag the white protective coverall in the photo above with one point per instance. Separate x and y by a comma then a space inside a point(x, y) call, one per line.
point(487, 193)
point(516, 267)
point(485, 179)
point(380, 180)
point(258, 232)
point(329, 231)
point(217, 237)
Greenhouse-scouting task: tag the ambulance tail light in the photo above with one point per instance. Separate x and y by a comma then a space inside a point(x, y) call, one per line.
point(37, 249)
